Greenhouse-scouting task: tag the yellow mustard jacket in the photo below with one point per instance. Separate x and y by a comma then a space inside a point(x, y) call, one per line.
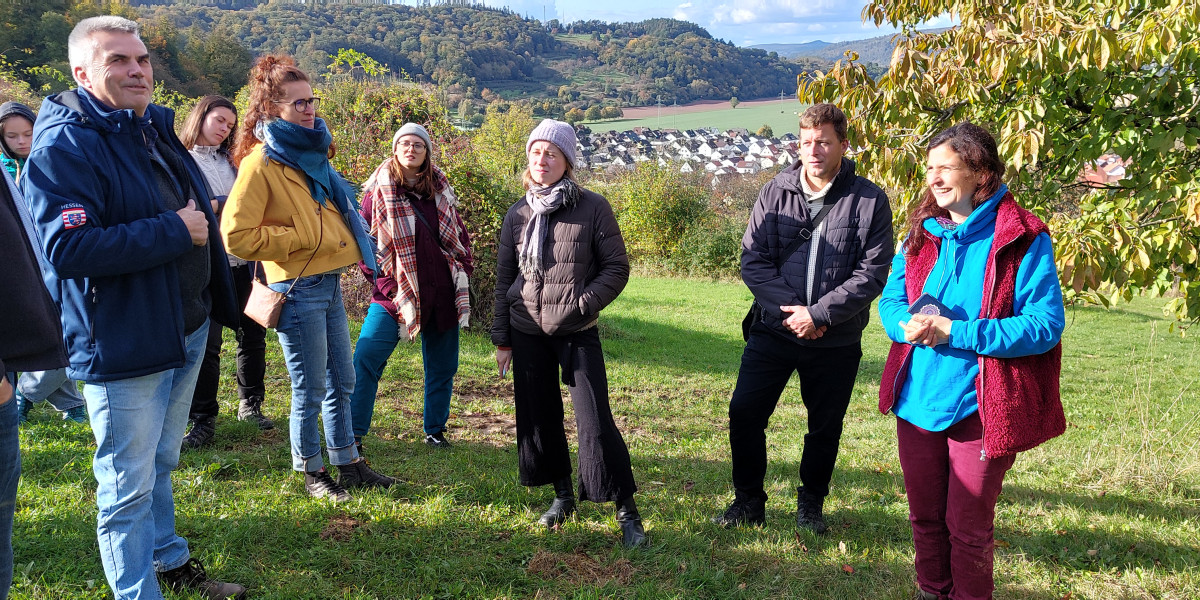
point(271, 217)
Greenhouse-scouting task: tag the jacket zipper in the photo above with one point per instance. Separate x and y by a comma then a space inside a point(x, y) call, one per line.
point(991, 291)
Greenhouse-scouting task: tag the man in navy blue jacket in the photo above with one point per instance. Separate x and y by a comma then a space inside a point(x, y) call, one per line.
point(136, 265)
point(815, 254)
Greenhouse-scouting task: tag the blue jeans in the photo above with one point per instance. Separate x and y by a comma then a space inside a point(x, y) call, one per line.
point(378, 339)
point(315, 337)
point(52, 386)
point(138, 424)
point(10, 472)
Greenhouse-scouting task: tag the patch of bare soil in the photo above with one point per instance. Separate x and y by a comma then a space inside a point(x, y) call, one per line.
point(497, 429)
point(340, 528)
point(579, 568)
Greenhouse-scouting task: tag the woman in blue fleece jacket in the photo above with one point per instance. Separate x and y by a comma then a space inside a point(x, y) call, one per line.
point(972, 376)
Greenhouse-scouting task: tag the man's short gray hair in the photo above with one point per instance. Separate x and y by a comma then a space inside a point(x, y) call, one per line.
point(80, 46)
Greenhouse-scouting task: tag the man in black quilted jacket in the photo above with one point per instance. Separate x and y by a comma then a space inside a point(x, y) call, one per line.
point(815, 254)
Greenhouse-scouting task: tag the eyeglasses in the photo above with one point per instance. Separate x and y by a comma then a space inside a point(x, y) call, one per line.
point(302, 103)
point(418, 146)
point(941, 170)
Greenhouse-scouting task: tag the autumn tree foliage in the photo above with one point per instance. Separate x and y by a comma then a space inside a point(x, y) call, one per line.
point(1060, 83)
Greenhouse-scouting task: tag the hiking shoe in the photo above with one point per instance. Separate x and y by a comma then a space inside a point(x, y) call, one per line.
point(437, 440)
point(319, 484)
point(250, 409)
point(743, 511)
point(361, 475)
point(191, 576)
point(203, 430)
point(808, 512)
point(77, 414)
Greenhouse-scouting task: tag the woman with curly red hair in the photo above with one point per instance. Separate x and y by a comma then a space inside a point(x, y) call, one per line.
point(291, 211)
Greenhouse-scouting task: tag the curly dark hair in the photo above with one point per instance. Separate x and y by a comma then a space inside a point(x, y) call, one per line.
point(977, 149)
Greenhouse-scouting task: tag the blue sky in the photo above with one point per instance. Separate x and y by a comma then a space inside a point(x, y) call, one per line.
point(742, 22)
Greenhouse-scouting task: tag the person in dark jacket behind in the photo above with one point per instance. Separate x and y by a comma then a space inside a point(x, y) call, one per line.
point(53, 386)
point(137, 266)
point(30, 340)
point(973, 372)
point(561, 260)
point(815, 254)
point(421, 288)
point(208, 135)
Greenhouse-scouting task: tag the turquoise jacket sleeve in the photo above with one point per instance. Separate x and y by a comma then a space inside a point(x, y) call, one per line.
point(893, 303)
point(1038, 315)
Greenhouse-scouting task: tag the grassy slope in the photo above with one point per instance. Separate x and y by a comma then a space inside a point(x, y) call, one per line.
point(1122, 482)
point(781, 120)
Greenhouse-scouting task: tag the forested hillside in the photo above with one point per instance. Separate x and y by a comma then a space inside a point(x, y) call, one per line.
point(470, 49)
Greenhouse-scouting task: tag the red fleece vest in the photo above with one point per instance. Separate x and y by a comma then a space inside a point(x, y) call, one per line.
point(1019, 402)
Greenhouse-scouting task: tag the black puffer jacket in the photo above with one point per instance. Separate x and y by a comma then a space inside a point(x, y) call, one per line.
point(853, 254)
point(585, 269)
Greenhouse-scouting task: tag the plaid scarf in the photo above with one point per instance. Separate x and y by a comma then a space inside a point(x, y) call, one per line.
point(393, 224)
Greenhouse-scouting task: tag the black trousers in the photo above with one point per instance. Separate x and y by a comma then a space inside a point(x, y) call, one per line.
point(826, 382)
point(251, 356)
point(605, 473)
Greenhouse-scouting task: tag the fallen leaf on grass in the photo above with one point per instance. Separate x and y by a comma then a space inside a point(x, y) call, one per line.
point(848, 569)
point(1002, 544)
point(688, 485)
point(1093, 552)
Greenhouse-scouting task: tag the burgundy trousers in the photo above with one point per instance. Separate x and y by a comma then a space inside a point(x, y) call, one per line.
point(952, 491)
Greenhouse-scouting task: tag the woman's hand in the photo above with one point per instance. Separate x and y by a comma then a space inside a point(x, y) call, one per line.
point(503, 360)
point(927, 330)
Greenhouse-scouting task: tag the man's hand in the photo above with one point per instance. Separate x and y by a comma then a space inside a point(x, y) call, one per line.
point(196, 222)
point(801, 323)
point(6, 389)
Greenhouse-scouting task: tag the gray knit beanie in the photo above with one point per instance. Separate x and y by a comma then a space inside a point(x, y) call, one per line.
point(556, 132)
point(411, 129)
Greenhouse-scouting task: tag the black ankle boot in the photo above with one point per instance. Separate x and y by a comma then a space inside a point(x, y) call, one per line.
point(563, 506)
point(632, 532)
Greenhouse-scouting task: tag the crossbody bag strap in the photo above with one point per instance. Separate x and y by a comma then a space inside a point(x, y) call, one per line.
point(320, 238)
point(437, 238)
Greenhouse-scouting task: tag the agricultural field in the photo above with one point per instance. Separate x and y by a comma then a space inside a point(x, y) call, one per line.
point(780, 116)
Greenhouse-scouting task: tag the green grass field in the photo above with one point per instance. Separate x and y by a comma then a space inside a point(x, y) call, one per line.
point(1109, 510)
point(781, 117)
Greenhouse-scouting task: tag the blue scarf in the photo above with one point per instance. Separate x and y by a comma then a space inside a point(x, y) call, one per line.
point(307, 150)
